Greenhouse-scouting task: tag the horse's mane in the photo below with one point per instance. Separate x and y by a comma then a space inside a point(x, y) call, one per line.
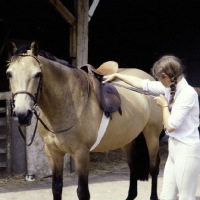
point(47, 55)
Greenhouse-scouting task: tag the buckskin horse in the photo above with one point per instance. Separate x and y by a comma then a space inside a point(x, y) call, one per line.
point(71, 118)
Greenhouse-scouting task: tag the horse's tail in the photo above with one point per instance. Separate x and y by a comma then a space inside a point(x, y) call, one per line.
point(141, 159)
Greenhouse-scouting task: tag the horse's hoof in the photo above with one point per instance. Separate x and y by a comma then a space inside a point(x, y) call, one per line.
point(132, 197)
point(154, 198)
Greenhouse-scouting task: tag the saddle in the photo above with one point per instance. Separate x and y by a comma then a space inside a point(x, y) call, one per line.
point(107, 95)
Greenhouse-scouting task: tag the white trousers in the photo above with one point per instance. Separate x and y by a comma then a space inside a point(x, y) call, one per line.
point(181, 171)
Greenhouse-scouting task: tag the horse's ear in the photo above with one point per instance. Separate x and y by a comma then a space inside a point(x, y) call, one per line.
point(35, 48)
point(11, 48)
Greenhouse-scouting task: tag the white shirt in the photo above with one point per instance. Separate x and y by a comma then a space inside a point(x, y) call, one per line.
point(184, 116)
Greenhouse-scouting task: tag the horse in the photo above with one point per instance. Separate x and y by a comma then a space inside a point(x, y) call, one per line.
point(71, 116)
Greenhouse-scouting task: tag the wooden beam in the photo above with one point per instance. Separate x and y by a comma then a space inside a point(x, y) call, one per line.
point(5, 95)
point(64, 12)
point(8, 133)
point(82, 32)
point(79, 43)
point(73, 42)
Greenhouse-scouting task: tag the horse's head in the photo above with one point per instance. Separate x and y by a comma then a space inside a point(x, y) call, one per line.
point(24, 73)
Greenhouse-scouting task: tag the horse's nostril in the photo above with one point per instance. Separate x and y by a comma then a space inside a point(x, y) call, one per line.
point(29, 114)
point(24, 119)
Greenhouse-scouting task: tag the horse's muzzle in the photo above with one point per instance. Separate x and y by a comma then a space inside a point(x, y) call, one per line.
point(23, 119)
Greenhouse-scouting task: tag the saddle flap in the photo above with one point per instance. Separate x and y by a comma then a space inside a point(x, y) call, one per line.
point(107, 96)
point(111, 99)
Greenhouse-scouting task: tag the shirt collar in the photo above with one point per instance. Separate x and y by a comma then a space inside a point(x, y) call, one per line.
point(181, 84)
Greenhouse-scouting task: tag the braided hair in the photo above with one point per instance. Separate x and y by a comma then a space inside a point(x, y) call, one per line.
point(170, 66)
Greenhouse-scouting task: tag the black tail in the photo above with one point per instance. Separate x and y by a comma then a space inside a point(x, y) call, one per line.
point(141, 159)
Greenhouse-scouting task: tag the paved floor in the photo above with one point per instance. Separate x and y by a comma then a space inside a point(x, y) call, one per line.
point(106, 186)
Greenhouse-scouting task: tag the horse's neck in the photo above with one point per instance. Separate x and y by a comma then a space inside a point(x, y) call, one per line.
point(63, 94)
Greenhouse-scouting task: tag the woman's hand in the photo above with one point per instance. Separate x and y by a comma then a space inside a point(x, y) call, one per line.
point(108, 78)
point(161, 101)
point(131, 80)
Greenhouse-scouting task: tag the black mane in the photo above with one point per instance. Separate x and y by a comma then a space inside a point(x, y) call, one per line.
point(21, 49)
point(53, 58)
point(47, 55)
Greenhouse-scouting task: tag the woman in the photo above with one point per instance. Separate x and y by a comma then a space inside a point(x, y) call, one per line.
point(181, 120)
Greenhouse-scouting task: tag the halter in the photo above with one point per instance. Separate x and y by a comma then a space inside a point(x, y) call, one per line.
point(35, 98)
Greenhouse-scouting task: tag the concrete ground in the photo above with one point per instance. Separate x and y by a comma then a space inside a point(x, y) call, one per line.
point(108, 180)
point(104, 186)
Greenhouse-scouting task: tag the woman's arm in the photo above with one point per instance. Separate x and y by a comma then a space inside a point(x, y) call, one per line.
point(166, 115)
point(161, 101)
point(131, 80)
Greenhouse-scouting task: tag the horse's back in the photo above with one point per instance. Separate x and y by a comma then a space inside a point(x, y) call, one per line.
point(135, 72)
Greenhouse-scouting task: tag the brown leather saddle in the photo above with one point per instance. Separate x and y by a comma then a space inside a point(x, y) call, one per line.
point(107, 95)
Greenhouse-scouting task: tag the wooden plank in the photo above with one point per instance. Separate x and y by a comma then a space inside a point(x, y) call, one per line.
point(8, 134)
point(2, 110)
point(3, 137)
point(64, 12)
point(2, 150)
point(2, 123)
point(2, 164)
point(5, 95)
point(73, 44)
point(82, 32)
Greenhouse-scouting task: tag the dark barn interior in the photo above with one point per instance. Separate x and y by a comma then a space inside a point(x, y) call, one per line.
point(134, 34)
point(137, 34)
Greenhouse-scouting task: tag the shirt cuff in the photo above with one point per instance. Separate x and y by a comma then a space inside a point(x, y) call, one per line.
point(145, 84)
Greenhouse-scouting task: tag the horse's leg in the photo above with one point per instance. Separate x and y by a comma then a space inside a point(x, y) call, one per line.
point(152, 141)
point(56, 159)
point(131, 158)
point(82, 161)
point(154, 171)
point(138, 160)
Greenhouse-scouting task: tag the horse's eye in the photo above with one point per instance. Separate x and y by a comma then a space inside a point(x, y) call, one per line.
point(38, 75)
point(9, 75)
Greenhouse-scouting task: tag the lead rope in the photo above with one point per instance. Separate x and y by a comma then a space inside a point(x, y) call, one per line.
point(33, 136)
